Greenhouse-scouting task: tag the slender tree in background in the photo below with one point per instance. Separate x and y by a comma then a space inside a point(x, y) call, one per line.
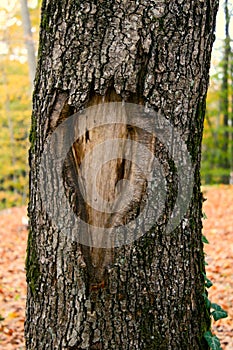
point(225, 96)
point(15, 107)
point(28, 40)
point(217, 146)
point(231, 118)
point(148, 293)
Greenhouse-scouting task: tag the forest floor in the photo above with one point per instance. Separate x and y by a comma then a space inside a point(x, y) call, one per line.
point(218, 228)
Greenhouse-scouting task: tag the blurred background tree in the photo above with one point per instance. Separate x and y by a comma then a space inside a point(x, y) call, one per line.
point(217, 156)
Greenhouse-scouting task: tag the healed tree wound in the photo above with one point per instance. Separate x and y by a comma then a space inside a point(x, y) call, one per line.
point(117, 183)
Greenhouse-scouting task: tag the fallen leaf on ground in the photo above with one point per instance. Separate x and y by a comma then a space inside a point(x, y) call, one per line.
point(218, 229)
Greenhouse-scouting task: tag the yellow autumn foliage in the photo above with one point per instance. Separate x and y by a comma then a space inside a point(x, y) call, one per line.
point(15, 105)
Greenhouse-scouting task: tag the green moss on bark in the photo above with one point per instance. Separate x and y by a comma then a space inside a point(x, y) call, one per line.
point(32, 136)
point(32, 265)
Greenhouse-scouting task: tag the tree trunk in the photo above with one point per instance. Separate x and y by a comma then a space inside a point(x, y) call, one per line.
point(92, 283)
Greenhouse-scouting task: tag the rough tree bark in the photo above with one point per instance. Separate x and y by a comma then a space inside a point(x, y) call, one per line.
point(147, 294)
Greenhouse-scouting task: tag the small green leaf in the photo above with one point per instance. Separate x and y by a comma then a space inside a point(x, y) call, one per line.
point(204, 215)
point(204, 239)
point(217, 315)
point(218, 312)
point(206, 264)
point(207, 301)
point(208, 282)
point(212, 341)
point(216, 307)
point(1, 318)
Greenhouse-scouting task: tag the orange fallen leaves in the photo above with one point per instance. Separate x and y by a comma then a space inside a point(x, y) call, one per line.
point(13, 236)
point(218, 229)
